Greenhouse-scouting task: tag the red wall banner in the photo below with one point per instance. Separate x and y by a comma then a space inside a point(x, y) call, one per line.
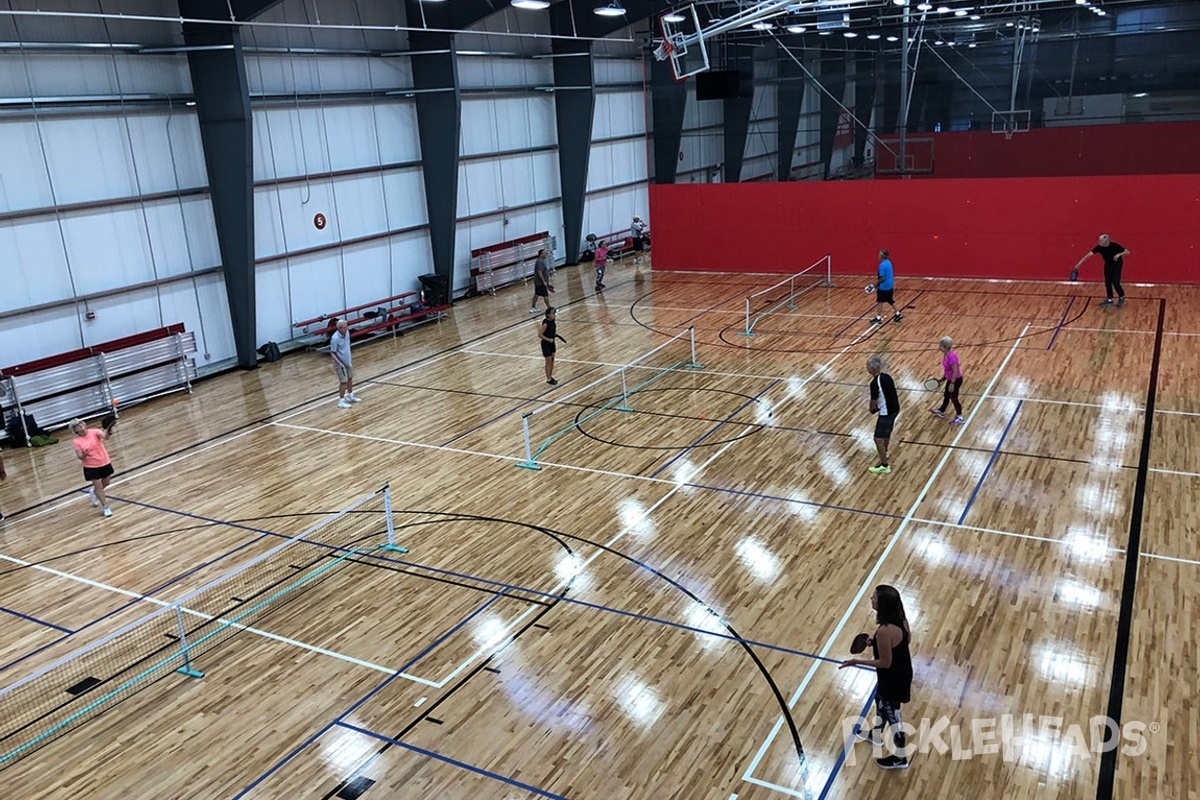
point(1013, 228)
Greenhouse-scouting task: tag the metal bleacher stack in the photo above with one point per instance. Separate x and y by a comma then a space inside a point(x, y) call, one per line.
point(97, 380)
point(500, 265)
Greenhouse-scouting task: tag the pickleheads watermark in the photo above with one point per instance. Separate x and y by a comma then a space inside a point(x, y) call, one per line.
point(1013, 737)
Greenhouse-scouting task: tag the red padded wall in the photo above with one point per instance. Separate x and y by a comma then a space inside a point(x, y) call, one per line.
point(1023, 228)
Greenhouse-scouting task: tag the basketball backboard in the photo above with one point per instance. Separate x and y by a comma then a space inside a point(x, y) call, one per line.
point(682, 43)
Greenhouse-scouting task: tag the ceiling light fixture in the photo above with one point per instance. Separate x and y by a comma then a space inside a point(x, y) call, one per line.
point(972, 45)
point(823, 33)
point(849, 34)
point(943, 9)
point(1101, 13)
point(893, 38)
point(762, 26)
point(613, 9)
point(531, 5)
point(872, 36)
point(796, 29)
point(673, 17)
point(974, 17)
point(900, 2)
point(962, 12)
point(938, 41)
point(924, 7)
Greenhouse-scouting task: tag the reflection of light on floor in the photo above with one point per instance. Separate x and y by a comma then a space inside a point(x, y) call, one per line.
point(1051, 753)
point(802, 507)
point(796, 387)
point(489, 631)
point(763, 412)
point(570, 566)
point(1086, 545)
point(639, 701)
point(684, 470)
point(1078, 594)
point(634, 517)
point(755, 557)
point(1115, 401)
point(698, 616)
point(935, 550)
point(1064, 666)
point(835, 468)
point(345, 750)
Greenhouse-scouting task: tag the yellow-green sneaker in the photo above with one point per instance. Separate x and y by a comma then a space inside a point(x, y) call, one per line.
point(881, 469)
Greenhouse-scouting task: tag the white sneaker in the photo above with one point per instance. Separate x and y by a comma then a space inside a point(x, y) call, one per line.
point(92, 496)
point(107, 511)
point(533, 310)
point(353, 398)
point(343, 403)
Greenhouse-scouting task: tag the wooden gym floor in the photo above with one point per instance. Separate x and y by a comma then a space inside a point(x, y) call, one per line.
point(660, 610)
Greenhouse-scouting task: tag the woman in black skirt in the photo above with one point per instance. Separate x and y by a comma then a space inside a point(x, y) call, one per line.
point(547, 333)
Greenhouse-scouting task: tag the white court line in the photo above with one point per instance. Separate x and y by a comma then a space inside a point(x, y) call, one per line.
point(163, 603)
point(1175, 472)
point(1171, 558)
point(995, 532)
point(868, 581)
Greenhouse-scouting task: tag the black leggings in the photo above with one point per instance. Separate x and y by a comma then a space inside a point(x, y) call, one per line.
point(889, 717)
point(1112, 280)
point(951, 395)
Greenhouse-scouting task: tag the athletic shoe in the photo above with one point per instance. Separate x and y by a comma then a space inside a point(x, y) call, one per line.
point(107, 511)
point(533, 310)
point(892, 762)
point(92, 496)
point(898, 316)
point(957, 420)
point(872, 735)
point(343, 403)
point(1121, 302)
point(1, 516)
point(881, 469)
point(552, 382)
point(937, 412)
point(1107, 302)
point(353, 398)
point(877, 321)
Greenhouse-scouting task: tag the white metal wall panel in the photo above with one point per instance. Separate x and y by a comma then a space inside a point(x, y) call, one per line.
point(487, 72)
point(618, 114)
point(24, 182)
point(82, 73)
point(495, 124)
point(613, 163)
point(34, 270)
point(613, 70)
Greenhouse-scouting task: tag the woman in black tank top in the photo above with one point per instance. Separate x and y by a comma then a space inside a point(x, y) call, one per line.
point(547, 333)
point(893, 673)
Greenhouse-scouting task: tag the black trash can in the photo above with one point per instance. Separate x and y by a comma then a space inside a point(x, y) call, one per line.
point(437, 289)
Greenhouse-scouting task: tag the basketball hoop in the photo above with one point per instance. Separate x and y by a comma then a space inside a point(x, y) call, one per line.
point(663, 51)
point(1009, 130)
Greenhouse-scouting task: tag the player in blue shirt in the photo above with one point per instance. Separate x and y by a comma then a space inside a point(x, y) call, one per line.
point(883, 290)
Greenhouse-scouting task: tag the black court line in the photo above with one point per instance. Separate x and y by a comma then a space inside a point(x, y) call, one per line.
point(453, 581)
point(1105, 785)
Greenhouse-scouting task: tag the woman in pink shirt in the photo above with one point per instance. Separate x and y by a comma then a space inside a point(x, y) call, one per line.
point(952, 372)
point(97, 466)
point(601, 264)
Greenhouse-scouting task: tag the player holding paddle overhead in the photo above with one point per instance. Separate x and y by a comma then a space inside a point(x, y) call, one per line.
point(1113, 255)
point(97, 466)
point(952, 375)
point(892, 662)
point(886, 403)
point(547, 333)
point(884, 287)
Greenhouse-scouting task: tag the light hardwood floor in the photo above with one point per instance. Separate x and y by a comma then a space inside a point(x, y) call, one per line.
point(660, 610)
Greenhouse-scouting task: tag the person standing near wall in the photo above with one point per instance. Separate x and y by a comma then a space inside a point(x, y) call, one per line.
point(884, 288)
point(637, 231)
point(339, 350)
point(1113, 255)
point(601, 263)
point(541, 281)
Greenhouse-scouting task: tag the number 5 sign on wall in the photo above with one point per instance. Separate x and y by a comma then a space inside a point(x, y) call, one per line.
point(319, 222)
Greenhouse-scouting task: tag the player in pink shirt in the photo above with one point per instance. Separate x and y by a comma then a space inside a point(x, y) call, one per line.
point(97, 466)
point(601, 264)
point(952, 372)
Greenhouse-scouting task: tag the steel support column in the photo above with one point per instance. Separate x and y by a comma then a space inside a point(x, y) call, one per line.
point(668, 100)
point(737, 119)
point(789, 101)
point(574, 107)
point(223, 110)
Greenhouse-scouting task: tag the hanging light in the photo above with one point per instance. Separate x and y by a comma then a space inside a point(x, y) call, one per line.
point(797, 28)
point(762, 26)
point(849, 34)
point(673, 17)
point(613, 9)
point(531, 5)
point(943, 9)
point(924, 7)
point(974, 17)
point(873, 36)
point(962, 12)
point(900, 2)
point(893, 38)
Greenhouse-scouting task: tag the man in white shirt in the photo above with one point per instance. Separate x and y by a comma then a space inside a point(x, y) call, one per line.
point(339, 349)
point(637, 231)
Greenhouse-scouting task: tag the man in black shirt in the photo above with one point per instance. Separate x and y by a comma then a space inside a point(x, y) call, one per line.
point(1112, 253)
point(886, 403)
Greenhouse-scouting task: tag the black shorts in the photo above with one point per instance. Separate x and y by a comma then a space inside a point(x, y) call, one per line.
point(639, 244)
point(884, 425)
point(549, 349)
point(97, 473)
point(541, 290)
point(883, 296)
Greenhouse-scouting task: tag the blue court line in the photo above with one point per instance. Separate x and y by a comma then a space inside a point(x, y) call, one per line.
point(428, 649)
point(717, 427)
point(1061, 322)
point(515, 408)
point(991, 461)
point(37, 621)
point(142, 597)
point(846, 747)
point(452, 761)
